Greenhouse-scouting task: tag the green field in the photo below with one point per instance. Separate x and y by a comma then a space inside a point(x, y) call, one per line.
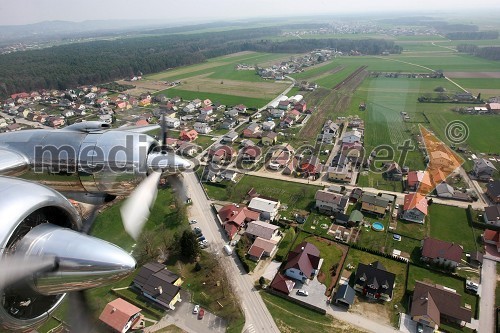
point(228, 100)
point(450, 224)
point(479, 83)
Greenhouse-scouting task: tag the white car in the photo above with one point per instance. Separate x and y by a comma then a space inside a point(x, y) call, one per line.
point(196, 309)
point(193, 222)
point(203, 244)
point(302, 292)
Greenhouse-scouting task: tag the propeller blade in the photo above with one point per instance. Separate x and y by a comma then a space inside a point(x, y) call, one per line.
point(17, 267)
point(80, 318)
point(163, 133)
point(135, 210)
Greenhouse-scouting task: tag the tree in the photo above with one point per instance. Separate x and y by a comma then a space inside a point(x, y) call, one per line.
point(262, 281)
point(189, 246)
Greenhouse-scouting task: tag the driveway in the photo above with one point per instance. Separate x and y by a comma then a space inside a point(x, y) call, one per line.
point(184, 318)
point(410, 326)
point(271, 270)
point(316, 292)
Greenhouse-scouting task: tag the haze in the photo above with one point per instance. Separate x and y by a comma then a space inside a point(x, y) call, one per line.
point(20, 12)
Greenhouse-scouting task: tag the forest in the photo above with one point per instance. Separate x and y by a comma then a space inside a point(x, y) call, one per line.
point(71, 65)
point(488, 52)
point(472, 35)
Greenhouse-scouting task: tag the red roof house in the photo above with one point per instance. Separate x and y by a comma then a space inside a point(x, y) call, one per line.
point(120, 315)
point(233, 217)
point(441, 252)
point(280, 283)
point(492, 237)
point(190, 135)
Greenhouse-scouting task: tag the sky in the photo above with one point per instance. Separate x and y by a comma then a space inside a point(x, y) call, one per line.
point(18, 12)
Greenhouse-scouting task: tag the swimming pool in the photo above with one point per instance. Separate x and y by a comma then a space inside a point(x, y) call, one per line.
point(377, 226)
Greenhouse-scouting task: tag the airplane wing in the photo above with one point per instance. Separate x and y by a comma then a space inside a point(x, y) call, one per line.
point(12, 163)
point(138, 129)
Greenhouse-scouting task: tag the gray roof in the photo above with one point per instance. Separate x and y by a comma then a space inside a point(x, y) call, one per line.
point(345, 294)
point(263, 205)
point(482, 163)
point(261, 229)
point(374, 200)
point(444, 188)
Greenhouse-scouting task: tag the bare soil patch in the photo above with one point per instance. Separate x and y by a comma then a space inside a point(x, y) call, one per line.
point(473, 75)
point(143, 86)
point(373, 311)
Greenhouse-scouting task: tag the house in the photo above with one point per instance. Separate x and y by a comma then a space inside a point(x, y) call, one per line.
point(374, 204)
point(268, 209)
point(311, 165)
point(189, 108)
point(282, 284)
point(262, 248)
point(233, 113)
point(303, 262)
point(284, 105)
point(121, 316)
point(352, 136)
point(263, 230)
point(492, 215)
point(241, 108)
point(493, 107)
point(230, 137)
point(203, 128)
point(345, 295)
point(329, 202)
point(190, 135)
point(252, 131)
point(492, 237)
point(355, 195)
point(172, 122)
point(330, 132)
point(268, 125)
point(187, 148)
point(419, 180)
point(432, 304)
point(341, 218)
point(159, 284)
point(281, 156)
point(221, 154)
point(294, 114)
point(355, 218)
point(229, 123)
point(483, 169)
point(277, 113)
point(339, 173)
point(493, 191)
point(392, 171)
point(207, 102)
point(444, 190)
point(374, 281)
point(269, 138)
point(287, 122)
point(415, 208)
point(441, 160)
point(196, 102)
point(441, 252)
point(234, 217)
point(250, 154)
point(476, 259)
point(206, 111)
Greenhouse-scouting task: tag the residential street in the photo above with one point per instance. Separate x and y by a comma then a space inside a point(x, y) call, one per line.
point(487, 301)
point(257, 317)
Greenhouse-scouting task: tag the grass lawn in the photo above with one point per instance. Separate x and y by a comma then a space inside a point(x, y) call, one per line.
point(372, 179)
point(406, 245)
point(411, 229)
point(170, 329)
point(291, 317)
point(292, 195)
point(450, 224)
point(421, 274)
point(285, 244)
point(354, 257)
point(204, 141)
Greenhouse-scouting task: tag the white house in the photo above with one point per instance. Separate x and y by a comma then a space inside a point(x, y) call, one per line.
point(352, 136)
point(172, 122)
point(268, 125)
point(202, 128)
point(189, 108)
point(268, 209)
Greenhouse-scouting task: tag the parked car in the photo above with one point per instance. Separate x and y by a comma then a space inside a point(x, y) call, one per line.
point(201, 314)
point(228, 249)
point(196, 309)
point(193, 222)
point(471, 286)
point(420, 328)
point(197, 231)
point(203, 244)
point(302, 292)
point(201, 238)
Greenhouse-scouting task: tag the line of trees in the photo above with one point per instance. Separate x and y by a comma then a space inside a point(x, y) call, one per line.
point(71, 65)
point(472, 35)
point(488, 52)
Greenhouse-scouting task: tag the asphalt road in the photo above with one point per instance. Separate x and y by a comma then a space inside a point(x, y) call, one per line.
point(487, 300)
point(257, 317)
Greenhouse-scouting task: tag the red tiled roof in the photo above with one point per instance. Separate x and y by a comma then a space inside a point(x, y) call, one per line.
point(117, 313)
point(415, 200)
point(282, 284)
point(256, 251)
point(491, 235)
point(304, 257)
point(435, 248)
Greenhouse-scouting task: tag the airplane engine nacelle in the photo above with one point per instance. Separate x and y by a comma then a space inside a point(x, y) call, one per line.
point(25, 205)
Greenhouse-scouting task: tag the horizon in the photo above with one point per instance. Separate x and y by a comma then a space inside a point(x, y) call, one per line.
point(217, 10)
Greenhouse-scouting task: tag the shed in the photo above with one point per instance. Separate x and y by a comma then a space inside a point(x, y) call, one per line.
point(345, 295)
